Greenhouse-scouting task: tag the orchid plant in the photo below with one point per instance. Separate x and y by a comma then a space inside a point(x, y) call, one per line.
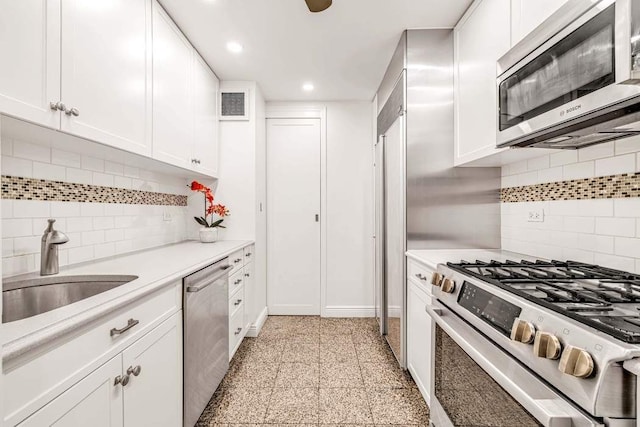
point(210, 209)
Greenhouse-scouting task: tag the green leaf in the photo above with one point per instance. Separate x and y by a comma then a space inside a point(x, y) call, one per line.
point(201, 221)
point(216, 223)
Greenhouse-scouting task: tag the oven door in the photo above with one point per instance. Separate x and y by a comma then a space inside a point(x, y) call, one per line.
point(579, 68)
point(475, 383)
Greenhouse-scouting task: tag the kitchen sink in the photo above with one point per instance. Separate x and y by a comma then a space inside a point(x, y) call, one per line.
point(29, 297)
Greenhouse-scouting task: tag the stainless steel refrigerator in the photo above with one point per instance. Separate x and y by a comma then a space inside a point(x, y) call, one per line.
point(422, 201)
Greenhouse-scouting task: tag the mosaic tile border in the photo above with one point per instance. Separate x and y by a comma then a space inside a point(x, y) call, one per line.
point(602, 187)
point(19, 188)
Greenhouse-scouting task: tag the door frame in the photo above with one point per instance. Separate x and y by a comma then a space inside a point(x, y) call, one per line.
point(309, 111)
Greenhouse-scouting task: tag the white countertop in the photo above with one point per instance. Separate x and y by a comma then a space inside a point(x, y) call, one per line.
point(155, 269)
point(433, 257)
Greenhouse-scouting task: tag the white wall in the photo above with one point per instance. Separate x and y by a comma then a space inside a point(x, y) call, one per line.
point(349, 207)
point(601, 231)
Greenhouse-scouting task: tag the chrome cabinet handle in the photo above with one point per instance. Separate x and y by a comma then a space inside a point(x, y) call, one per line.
point(237, 302)
point(121, 379)
point(195, 161)
point(248, 254)
point(421, 276)
point(246, 275)
point(237, 331)
point(135, 371)
point(72, 112)
point(57, 106)
point(130, 324)
point(237, 281)
point(235, 261)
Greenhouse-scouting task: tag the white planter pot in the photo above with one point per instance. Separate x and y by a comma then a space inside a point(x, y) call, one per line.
point(208, 235)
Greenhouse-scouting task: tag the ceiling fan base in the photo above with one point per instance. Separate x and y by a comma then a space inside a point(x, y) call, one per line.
point(318, 5)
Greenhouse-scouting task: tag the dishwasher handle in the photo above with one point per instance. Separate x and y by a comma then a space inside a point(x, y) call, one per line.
point(197, 288)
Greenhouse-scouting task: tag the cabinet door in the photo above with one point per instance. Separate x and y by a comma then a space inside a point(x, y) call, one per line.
point(205, 98)
point(30, 52)
point(249, 296)
point(172, 102)
point(154, 396)
point(481, 37)
point(419, 337)
point(526, 15)
point(106, 72)
point(95, 401)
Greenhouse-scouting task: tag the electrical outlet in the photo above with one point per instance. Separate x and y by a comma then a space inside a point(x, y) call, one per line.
point(536, 215)
point(166, 216)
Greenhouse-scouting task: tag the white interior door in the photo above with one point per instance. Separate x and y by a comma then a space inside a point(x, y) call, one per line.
point(293, 216)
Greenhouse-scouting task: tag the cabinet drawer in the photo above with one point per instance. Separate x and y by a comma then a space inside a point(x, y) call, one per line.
point(420, 273)
point(33, 383)
point(236, 301)
point(235, 281)
point(236, 330)
point(236, 259)
point(249, 254)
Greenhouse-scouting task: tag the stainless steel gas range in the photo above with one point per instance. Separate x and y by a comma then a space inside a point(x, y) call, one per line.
point(521, 343)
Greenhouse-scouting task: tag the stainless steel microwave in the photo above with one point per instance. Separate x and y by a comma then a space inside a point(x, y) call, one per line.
point(575, 80)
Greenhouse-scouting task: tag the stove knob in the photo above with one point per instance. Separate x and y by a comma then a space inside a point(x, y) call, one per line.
point(547, 345)
point(448, 286)
point(436, 279)
point(523, 331)
point(577, 362)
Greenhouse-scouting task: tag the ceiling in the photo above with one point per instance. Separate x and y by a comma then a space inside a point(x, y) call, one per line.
point(343, 51)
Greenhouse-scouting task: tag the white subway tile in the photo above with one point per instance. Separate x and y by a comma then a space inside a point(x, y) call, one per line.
point(550, 174)
point(624, 227)
point(123, 221)
point(113, 209)
point(563, 207)
point(104, 250)
point(637, 269)
point(538, 163)
point(594, 207)
point(79, 176)
point(580, 255)
point(26, 245)
point(102, 179)
point(563, 157)
point(124, 246)
point(506, 181)
point(616, 165)
point(26, 150)
point(79, 224)
point(48, 171)
point(122, 182)
point(627, 207)
point(92, 163)
point(114, 235)
point(65, 158)
point(18, 265)
point(528, 178)
point(579, 170)
point(92, 237)
point(596, 243)
point(63, 257)
point(38, 225)
point(92, 209)
point(518, 167)
point(13, 166)
point(6, 209)
point(81, 254)
point(75, 240)
point(6, 147)
point(7, 248)
point(615, 262)
point(565, 239)
point(597, 151)
point(30, 209)
point(103, 223)
point(16, 228)
point(113, 168)
point(131, 172)
point(627, 145)
point(65, 209)
point(626, 246)
point(579, 224)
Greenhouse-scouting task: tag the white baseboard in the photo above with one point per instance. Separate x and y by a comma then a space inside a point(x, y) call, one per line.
point(255, 329)
point(348, 311)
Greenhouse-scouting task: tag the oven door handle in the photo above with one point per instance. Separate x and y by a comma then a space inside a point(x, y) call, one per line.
point(536, 397)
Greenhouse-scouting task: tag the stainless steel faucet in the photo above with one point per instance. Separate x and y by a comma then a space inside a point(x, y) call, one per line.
point(51, 239)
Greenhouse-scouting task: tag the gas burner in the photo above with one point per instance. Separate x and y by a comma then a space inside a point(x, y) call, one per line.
point(603, 298)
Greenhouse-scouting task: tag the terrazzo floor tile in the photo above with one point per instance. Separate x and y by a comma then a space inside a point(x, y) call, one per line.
point(293, 405)
point(257, 375)
point(238, 405)
point(340, 375)
point(398, 406)
point(301, 352)
point(338, 352)
point(383, 375)
point(298, 375)
point(377, 352)
point(344, 405)
point(335, 339)
point(265, 352)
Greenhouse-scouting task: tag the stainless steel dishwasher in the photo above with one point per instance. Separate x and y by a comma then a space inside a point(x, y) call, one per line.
point(206, 336)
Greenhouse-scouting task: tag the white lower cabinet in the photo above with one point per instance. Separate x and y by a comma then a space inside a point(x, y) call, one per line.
point(241, 312)
point(142, 386)
point(419, 337)
point(94, 401)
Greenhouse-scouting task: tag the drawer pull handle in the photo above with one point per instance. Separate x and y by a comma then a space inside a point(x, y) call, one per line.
point(130, 324)
point(248, 254)
point(237, 332)
point(246, 275)
point(237, 302)
point(237, 281)
point(121, 379)
point(235, 261)
point(135, 371)
point(420, 276)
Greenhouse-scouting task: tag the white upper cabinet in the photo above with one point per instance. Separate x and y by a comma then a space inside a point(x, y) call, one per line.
point(480, 38)
point(172, 100)
point(526, 15)
point(205, 97)
point(30, 52)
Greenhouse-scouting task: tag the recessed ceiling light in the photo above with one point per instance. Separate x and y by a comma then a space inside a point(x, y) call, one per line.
point(307, 87)
point(234, 47)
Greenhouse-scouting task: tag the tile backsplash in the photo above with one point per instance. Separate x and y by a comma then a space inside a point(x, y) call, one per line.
point(96, 230)
point(603, 230)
